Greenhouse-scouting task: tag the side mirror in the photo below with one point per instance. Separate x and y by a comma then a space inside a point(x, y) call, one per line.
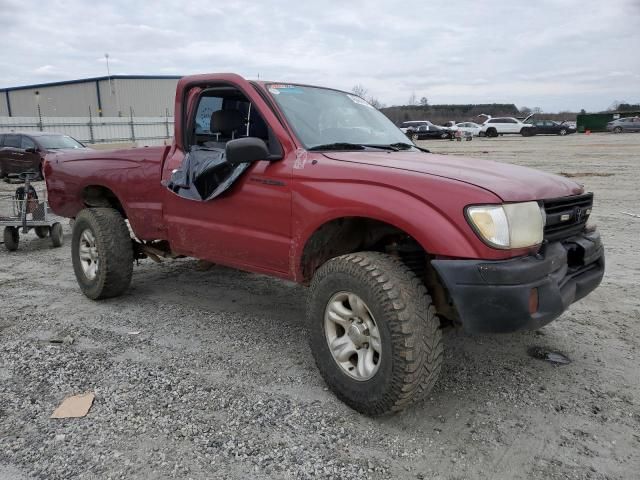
point(246, 150)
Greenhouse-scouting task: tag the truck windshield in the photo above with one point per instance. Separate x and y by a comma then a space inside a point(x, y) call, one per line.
point(329, 118)
point(58, 142)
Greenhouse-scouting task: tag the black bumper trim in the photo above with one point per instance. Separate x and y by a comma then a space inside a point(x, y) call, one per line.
point(493, 297)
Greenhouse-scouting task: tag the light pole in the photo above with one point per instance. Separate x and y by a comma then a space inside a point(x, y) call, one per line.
point(112, 85)
point(37, 92)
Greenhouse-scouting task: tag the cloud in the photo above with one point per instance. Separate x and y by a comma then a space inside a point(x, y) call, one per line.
point(551, 54)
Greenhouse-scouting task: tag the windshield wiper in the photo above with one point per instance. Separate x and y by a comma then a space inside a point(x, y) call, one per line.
point(393, 147)
point(403, 146)
point(396, 147)
point(337, 146)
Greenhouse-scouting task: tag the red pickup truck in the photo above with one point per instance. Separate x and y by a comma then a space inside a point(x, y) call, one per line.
point(316, 186)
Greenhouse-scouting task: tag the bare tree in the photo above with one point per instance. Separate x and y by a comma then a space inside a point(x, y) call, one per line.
point(360, 90)
point(424, 102)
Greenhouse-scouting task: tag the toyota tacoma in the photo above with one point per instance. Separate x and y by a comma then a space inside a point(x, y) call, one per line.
point(316, 186)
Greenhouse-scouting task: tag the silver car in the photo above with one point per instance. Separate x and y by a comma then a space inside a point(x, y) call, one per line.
point(628, 124)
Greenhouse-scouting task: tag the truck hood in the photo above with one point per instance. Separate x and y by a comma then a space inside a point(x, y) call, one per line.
point(512, 183)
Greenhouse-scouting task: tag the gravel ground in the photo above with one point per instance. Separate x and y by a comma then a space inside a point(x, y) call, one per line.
point(219, 383)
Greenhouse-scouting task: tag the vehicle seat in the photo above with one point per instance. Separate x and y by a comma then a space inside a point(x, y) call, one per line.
point(229, 124)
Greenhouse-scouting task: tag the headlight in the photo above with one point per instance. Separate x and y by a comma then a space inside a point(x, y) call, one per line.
point(512, 225)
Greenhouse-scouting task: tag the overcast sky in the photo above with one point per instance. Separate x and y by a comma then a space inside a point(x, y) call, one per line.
point(562, 54)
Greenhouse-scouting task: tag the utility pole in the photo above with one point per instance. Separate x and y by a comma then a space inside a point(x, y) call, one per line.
point(39, 111)
point(112, 84)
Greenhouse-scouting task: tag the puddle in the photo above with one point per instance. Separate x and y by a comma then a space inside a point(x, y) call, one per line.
point(542, 353)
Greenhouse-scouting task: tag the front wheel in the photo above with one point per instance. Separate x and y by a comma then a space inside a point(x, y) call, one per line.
point(617, 130)
point(414, 137)
point(374, 332)
point(102, 253)
point(563, 132)
point(42, 232)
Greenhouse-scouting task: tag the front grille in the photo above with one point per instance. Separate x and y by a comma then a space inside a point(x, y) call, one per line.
point(566, 216)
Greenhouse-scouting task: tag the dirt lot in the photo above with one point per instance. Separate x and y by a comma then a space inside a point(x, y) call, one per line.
point(219, 383)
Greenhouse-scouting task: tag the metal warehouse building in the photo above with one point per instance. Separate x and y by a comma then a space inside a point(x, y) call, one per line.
point(117, 95)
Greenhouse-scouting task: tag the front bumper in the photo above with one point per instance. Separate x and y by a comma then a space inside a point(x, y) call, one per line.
point(494, 296)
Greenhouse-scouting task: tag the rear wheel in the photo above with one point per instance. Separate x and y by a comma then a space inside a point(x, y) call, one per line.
point(56, 235)
point(42, 232)
point(11, 238)
point(414, 137)
point(374, 332)
point(102, 253)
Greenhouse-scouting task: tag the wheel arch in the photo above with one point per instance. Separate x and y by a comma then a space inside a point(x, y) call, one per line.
point(101, 196)
point(351, 232)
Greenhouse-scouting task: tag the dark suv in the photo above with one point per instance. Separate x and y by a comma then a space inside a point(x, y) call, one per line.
point(21, 152)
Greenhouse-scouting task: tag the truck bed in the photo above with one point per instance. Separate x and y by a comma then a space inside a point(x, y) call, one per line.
point(132, 175)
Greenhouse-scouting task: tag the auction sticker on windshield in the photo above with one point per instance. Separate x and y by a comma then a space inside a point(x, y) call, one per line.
point(278, 88)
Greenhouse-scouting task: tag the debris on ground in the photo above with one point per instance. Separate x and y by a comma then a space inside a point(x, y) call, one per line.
point(542, 353)
point(68, 340)
point(75, 406)
point(634, 215)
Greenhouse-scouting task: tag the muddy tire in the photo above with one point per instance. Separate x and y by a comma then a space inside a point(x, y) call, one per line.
point(102, 253)
point(11, 238)
point(42, 232)
point(57, 238)
point(400, 325)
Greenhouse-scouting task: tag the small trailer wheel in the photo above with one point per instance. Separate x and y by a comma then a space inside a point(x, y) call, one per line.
point(42, 232)
point(56, 235)
point(11, 238)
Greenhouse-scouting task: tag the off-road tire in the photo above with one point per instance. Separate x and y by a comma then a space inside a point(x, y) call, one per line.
point(57, 238)
point(11, 238)
point(115, 251)
point(409, 331)
point(42, 232)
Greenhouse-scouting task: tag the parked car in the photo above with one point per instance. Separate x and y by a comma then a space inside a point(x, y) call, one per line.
point(494, 126)
point(423, 130)
point(468, 127)
point(550, 127)
point(316, 186)
point(412, 125)
point(22, 152)
point(627, 124)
